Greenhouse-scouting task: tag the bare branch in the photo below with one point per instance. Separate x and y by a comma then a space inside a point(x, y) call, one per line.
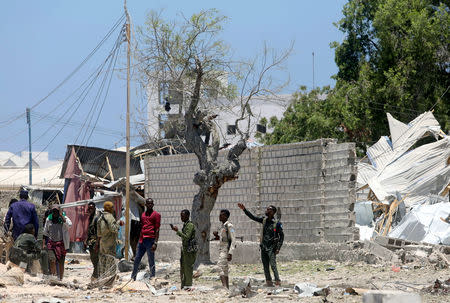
point(251, 90)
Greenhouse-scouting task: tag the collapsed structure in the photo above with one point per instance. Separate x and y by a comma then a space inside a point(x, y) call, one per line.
point(97, 175)
point(408, 182)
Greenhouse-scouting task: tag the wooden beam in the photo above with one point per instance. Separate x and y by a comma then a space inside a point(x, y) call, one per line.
point(110, 169)
point(80, 166)
point(363, 187)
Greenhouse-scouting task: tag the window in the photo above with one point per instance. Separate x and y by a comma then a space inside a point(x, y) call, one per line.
point(169, 125)
point(170, 91)
point(260, 128)
point(162, 119)
point(163, 92)
point(231, 129)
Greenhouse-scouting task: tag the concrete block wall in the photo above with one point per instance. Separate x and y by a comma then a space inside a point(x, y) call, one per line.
point(312, 183)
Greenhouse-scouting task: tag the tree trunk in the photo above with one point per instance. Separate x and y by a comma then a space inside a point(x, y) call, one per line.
point(202, 206)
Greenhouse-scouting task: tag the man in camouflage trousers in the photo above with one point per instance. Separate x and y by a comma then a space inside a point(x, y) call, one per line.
point(26, 249)
point(91, 240)
point(227, 244)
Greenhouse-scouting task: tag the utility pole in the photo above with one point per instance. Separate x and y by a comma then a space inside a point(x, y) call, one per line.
point(127, 186)
point(30, 157)
point(313, 70)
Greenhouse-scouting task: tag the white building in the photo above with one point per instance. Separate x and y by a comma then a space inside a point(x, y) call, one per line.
point(14, 170)
point(165, 104)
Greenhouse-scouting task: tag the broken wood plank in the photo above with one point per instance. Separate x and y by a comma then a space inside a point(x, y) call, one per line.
point(110, 169)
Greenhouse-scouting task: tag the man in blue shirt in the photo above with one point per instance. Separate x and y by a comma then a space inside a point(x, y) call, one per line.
point(22, 213)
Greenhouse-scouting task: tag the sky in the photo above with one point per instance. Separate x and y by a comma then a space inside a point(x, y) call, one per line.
point(43, 42)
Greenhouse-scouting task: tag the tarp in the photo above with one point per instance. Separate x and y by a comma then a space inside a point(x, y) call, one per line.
point(76, 191)
point(423, 224)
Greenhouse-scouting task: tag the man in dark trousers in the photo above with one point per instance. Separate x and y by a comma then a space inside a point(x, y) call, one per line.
point(91, 239)
point(22, 213)
point(271, 240)
point(188, 249)
point(148, 239)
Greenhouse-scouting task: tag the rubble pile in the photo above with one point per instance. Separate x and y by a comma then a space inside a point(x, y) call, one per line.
point(408, 181)
point(439, 288)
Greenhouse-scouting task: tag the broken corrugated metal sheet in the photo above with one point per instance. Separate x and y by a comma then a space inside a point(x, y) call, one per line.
point(96, 161)
point(161, 147)
point(423, 224)
point(402, 178)
point(397, 171)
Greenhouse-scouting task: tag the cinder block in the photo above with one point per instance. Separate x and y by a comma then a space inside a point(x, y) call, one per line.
point(380, 251)
point(391, 296)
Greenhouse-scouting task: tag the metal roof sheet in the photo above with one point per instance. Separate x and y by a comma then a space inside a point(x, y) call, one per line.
point(93, 160)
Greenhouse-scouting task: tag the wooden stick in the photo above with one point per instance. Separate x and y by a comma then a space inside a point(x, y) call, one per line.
point(110, 169)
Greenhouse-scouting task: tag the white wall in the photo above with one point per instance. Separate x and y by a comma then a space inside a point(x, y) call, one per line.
point(228, 113)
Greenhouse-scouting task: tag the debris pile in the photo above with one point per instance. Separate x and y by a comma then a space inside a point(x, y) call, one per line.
point(408, 179)
point(439, 288)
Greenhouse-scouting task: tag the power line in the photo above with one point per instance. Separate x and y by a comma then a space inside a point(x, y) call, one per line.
point(104, 99)
point(100, 130)
point(117, 23)
point(95, 74)
point(439, 98)
point(109, 73)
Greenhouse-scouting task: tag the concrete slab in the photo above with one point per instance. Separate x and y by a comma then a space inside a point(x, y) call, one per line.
point(380, 251)
point(391, 296)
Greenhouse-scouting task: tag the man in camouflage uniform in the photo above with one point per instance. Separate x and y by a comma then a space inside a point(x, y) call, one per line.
point(271, 240)
point(26, 249)
point(107, 232)
point(188, 251)
point(227, 245)
point(91, 240)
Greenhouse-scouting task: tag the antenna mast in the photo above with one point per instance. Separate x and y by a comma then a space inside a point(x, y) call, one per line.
point(313, 70)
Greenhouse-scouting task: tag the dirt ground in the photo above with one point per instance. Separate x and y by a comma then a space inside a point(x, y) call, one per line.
point(338, 276)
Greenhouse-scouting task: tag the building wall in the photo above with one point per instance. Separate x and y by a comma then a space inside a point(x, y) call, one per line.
point(229, 111)
point(312, 183)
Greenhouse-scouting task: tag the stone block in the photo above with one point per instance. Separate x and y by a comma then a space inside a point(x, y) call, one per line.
point(390, 296)
point(380, 251)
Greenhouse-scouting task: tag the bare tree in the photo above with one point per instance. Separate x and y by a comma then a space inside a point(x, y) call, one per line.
point(190, 52)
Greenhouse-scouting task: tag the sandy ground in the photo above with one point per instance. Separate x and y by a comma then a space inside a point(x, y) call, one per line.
point(338, 276)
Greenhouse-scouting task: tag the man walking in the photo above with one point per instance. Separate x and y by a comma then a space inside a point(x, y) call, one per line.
point(227, 245)
point(56, 231)
point(21, 212)
point(91, 240)
point(107, 232)
point(271, 240)
point(188, 249)
point(148, 239)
